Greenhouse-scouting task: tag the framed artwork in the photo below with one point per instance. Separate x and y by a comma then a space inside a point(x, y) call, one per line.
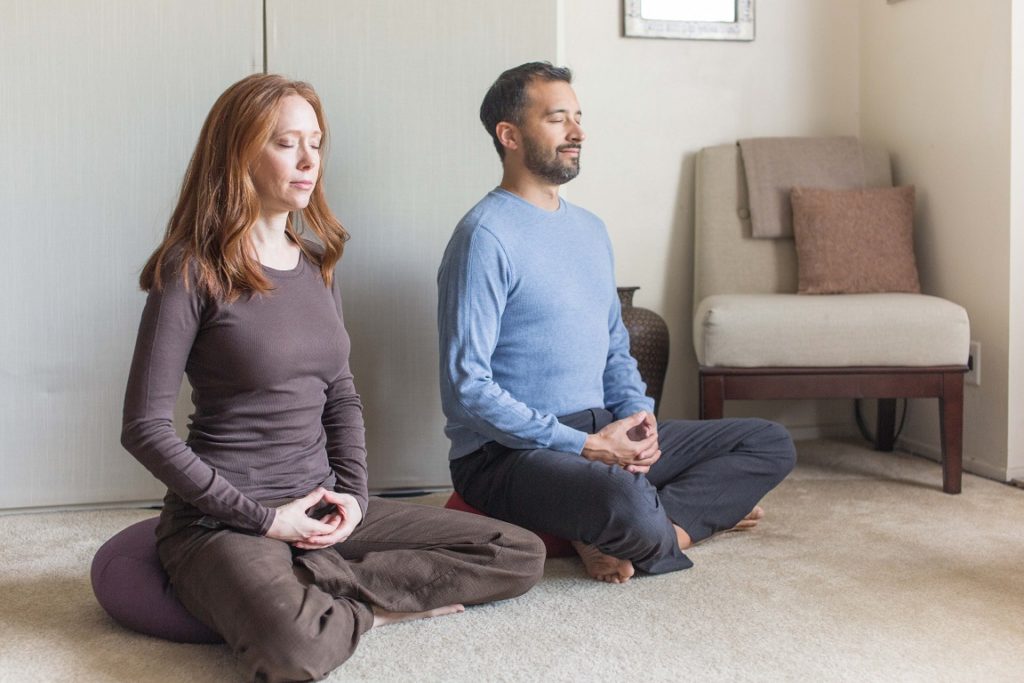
point(690, 19)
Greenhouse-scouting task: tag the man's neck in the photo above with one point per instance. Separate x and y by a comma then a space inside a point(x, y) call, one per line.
point(539, 193)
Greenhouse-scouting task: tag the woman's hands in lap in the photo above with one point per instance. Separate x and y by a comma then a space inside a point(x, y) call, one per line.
point(293, 525)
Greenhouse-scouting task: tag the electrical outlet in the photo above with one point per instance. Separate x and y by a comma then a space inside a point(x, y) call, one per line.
point(973, 375)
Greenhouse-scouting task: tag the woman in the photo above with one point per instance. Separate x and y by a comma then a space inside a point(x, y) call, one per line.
point(267, 531)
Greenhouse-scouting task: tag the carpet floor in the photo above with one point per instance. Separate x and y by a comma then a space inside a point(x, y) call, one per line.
point(863, 570)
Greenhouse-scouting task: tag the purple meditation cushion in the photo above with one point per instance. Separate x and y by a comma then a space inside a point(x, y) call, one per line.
point(556, 547)
point(132, 586)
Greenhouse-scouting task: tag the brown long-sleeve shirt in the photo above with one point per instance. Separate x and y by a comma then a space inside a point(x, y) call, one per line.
point(276, 410)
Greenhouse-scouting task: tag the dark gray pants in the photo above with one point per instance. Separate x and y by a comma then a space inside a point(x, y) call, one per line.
point(711, 474)
point(293, 615)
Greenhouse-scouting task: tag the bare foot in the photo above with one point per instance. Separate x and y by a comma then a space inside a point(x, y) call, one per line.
point(382, 617)
point(682, 538)
point(751, 520)
point(603, 567)
point(748, 522)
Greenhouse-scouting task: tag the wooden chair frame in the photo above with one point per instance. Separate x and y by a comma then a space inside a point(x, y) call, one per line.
point(946, 383)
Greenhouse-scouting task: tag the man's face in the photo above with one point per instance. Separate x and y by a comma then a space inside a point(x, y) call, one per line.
point(551, 132)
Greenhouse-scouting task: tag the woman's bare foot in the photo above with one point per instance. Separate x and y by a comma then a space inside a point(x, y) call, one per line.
point(603, 567)
point(382, 617)
point(748, 522)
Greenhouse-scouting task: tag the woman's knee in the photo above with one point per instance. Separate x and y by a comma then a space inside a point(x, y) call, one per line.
point(293, 648)
point(520, 559)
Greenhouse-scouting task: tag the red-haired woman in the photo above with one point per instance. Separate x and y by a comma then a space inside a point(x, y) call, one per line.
point(267, 531)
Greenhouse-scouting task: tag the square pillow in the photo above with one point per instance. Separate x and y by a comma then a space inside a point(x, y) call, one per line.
point(855, 241)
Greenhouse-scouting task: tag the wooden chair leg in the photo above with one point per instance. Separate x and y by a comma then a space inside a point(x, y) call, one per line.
point(951, 421)
point(885, 428)
point(712, 397)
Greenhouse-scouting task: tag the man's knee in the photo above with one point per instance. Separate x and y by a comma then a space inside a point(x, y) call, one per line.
point(775, 445)
point(628, 511)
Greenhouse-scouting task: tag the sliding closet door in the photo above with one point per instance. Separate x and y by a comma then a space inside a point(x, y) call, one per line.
point(100, 103)
point(402, 82)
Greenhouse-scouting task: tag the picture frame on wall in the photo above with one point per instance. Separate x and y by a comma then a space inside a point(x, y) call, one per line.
point(689, 19)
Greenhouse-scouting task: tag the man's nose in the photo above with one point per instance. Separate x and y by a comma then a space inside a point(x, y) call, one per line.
point(576, 134)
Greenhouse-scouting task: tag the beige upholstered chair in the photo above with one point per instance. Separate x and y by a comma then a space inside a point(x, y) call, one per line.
point(755, 338)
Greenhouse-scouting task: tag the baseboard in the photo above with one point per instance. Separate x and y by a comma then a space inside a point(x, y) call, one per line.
point(828, 431)
point(129, 505)
point(933, 452)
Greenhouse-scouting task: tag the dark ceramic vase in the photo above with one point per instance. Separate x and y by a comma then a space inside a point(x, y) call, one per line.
point(648, 343)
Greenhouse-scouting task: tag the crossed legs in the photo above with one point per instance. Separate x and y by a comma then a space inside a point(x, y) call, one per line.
point(710, 477)
point(293, 615)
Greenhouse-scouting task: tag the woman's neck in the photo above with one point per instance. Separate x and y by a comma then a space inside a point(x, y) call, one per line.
point(271, 243)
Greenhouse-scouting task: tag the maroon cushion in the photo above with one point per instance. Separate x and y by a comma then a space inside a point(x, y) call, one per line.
point(557, 547)
point(132, 586)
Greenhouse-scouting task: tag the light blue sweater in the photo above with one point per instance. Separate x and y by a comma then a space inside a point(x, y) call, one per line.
point(530, 327)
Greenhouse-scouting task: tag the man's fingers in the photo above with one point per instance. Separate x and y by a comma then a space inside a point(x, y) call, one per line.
point(645, 446)
point(636, 418)
point(652, 447)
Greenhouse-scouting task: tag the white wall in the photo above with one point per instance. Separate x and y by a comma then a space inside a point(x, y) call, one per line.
point(650, 105)
point(101, 104)
point(935, 90)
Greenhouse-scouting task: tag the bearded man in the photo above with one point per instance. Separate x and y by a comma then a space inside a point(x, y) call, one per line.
point(549, 424)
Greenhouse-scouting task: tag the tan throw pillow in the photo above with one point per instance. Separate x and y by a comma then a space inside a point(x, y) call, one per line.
point(855, 241)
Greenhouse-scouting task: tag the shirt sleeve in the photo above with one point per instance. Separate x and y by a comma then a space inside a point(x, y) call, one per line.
point(473, 284)
point(170, 322)
point(624, 389)
point(343, 425)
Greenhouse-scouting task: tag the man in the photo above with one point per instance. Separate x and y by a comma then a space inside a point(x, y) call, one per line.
point(548, 421)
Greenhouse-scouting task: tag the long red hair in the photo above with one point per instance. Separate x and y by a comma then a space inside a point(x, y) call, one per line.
point(218, 205)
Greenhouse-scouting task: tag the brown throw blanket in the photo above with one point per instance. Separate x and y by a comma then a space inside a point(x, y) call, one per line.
point(773, 166)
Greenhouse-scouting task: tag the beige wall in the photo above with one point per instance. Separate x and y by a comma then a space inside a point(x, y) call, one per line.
point(401, 83)
point(934, 89)
point(100, 105)
point(650, 105)
point(1015, 449)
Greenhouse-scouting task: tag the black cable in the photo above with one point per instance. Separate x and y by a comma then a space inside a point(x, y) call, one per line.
point(863, 428)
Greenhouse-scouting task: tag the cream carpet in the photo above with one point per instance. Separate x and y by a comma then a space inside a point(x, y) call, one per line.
point(862, 571)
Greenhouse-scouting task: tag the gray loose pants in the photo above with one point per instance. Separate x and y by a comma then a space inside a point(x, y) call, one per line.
point(294, 615)
point(711, 474)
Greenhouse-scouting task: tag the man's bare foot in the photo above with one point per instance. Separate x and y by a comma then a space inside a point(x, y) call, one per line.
point(603, 567)
point(382, 617)
point(682, 538)
point(748, 522)
point(751, 520)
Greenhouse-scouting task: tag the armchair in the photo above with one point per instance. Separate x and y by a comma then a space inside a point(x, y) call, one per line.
point(756, 338)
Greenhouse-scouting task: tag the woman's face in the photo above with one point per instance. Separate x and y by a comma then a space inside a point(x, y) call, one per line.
point(286, 170)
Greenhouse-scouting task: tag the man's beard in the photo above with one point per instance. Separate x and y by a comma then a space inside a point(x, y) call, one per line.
point(553, 170)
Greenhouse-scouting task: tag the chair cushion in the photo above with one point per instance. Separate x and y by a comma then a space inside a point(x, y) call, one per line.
point(556, 547)
point(854, 241)
point(132, 586)
point(841, 330)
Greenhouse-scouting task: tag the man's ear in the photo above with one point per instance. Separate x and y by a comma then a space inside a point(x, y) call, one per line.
point(508, 135)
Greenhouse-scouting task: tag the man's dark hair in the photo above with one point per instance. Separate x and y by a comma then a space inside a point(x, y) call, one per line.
point(506, 100)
